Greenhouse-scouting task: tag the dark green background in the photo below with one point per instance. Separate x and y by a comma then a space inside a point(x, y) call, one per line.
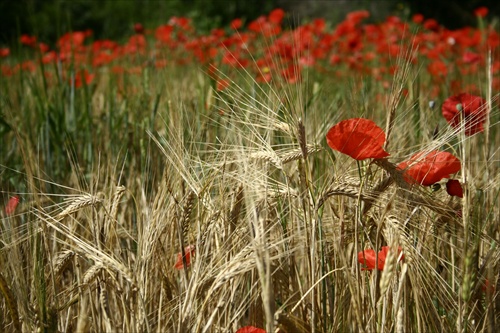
point(113, 19)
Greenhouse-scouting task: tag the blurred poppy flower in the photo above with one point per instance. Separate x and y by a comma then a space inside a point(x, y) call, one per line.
point(49, 57)
point(250, 329)
point(10, 208)
point(222, 84)
point(182, 22)
point(470, 57)
point(357, 137)
point(161, 63)
point(454, 188)
point(429, 168)
point(368, 256)
point(292, 74)
point(437, 68)
point(335, 59)
point(43, 47)
point(188, 253)
point(163, 33)
point(28, 66)
point(468, 108)
point(276, 16)
point(431, 24)
point(4, 51)
point(28, 40)
point(418, 18)
point(236, 24)
point(72, 40)
point(138, 28)
point(82, 76)
point(357, 16)
point(481, 11)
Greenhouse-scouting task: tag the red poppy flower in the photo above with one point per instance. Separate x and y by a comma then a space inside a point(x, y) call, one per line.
point(43, 47)
point(481, 12)
point(72, 40)
point(28, 40)
point(367, 258)
point(10, 208)
point(49, 57)
point(4, 51)
point(335, 59)
point(276, 16)
point(163, 33)
point(431, 24)
point(28, 66)
point(418, 18)
point(222, 84)
point(83, 76)
point(437, 68)
point(250, 329)
point(138, 28)
point(470, 57)
point(454, 188)
point(357, 137)
point(468, 108)
point(182, 22)
point(188, 252)
point(357, 16)
point(236, 24)
point(429, 168)
point(292, 74)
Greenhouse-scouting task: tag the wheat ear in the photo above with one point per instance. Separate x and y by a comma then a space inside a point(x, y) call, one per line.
point(120, 190)
point(79, 203)
point(91, 274)
point(301, 137)
point(295, 154)
point(236, 207)
point(62, 261)
point(11, 303)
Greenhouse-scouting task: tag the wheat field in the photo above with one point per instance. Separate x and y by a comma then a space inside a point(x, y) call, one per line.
point(165, 204)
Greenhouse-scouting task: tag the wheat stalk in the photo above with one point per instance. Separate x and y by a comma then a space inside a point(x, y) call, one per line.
point(301, 137)
point(236, 207)
point(341, 189)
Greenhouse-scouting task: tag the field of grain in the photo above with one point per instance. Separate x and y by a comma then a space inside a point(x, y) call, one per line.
point(257, 178)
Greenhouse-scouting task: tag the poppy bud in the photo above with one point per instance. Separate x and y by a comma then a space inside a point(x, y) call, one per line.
point(138, 28)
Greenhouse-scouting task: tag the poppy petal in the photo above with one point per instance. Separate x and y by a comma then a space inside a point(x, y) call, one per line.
point(454, 188)
point(429, 168)
point(357, 137)
point(367, 258)
point(250, 329)
point(188, 252)
point(10, 208)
